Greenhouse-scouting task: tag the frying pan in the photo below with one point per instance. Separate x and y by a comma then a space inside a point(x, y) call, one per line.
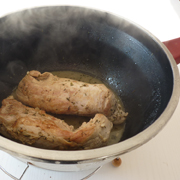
point(127, 58)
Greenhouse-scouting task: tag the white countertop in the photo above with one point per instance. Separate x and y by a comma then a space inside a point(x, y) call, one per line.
point(159, 159)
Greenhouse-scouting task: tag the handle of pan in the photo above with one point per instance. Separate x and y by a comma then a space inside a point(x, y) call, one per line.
point(174, 47)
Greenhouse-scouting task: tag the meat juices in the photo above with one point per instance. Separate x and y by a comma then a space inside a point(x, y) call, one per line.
point(34, 127)
point(67, 96)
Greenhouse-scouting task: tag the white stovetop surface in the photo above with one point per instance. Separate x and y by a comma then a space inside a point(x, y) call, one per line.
point(159, 159)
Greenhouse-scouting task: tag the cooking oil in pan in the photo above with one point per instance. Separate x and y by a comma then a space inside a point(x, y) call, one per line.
point(76, 121)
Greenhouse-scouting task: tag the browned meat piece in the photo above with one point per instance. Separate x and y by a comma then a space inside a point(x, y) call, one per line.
point(34, 127)
point(67, 96)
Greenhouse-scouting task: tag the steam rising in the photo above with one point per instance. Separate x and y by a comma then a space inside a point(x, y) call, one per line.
point(41, 37)
point(55, 38)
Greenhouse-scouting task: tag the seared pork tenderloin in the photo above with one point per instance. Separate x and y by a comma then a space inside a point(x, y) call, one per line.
point(67, 96)
point(32, 126)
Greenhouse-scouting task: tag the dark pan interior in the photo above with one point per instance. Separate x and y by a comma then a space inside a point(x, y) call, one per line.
point(126, 58)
